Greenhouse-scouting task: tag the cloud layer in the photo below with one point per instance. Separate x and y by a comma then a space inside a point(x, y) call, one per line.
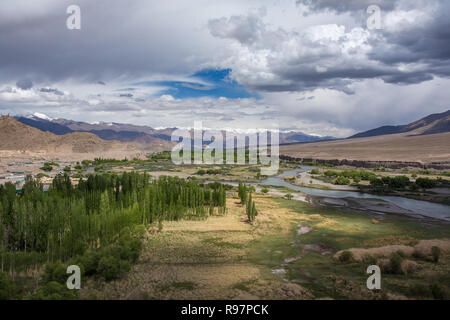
point(312, 66)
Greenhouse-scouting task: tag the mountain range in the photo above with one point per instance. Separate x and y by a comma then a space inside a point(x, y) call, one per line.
point(44, 135)
point(434, 123)
point(144, 135)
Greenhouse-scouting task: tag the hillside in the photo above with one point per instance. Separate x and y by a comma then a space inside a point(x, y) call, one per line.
point(434, 123)
point(393, 147)
point(18, 136)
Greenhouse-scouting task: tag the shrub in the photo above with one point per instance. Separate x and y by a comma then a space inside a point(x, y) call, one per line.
point(401, 254)
point(346, 256)
point(342, 181)
point(331, 173)
point(89, 261)
point(438, 292)
point(367, 175)
point(47, 168)
point(53, 164)
point(315, 171)
point(54, 291)
point(264, 190)
point(6, 287)
point(436, 253)
point(288, 196)
point(425, 183)
point(55, 272)
point(86, 163)
point(419, 290)
point(112, 268)
point(414, 187)
point(369, 260)
point(395, 263)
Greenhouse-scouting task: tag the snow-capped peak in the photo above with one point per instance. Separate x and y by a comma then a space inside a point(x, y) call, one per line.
point(40, 116)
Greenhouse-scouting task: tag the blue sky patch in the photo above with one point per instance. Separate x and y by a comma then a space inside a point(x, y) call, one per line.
point(214, 83)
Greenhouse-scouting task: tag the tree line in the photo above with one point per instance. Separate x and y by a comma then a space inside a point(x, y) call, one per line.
point(38, 226)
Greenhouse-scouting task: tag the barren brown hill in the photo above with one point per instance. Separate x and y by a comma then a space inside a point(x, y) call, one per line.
point(434, 123)
point(18, 136)
point(394, 147)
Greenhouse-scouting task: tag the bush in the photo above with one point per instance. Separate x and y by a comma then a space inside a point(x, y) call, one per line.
point(438, 292)
point(342, 181)
point(346, 256)
point(436, 253)
point(86, 163)
point(414, 187)
point(369, 260)
point(401, 254)
point(89, 262)
point(112, 268)
point(264, 190)
point(315, 171)
point(6, 287)
point(288, 196)
point(133, 248)
point(419, 290)
point(55, 272)
point(53, 164)
point(426, 183)
point(395, 263)
point(47, 168)
point(331, 173)
point(55, 291)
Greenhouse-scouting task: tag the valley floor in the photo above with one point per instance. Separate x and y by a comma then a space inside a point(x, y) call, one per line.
point(290, 252)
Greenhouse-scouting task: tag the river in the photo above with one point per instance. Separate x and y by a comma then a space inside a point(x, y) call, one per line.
point(424, 208)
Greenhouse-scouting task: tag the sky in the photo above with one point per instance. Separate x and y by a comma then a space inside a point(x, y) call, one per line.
point(313, 66)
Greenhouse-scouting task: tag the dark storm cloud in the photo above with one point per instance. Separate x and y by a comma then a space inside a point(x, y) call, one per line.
point(51, 90)
point(422, 43)
point(124, 39)
point(24, 84)
point(126, 95)
point(346, 5)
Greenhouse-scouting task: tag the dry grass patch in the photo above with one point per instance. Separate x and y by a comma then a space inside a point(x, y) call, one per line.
point(423, 248)
point(206, 259)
